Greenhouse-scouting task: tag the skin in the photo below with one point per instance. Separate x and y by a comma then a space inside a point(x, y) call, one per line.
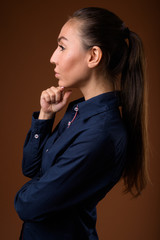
point(74, 67)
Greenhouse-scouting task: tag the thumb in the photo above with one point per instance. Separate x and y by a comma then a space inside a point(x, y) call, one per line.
point(66, 96)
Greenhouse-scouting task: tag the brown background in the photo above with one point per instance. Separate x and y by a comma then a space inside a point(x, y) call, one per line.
point(29, 29)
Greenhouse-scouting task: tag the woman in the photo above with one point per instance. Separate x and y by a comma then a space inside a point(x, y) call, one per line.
point(95, 144)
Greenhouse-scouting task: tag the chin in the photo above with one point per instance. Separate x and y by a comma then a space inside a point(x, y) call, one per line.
point(64, 84)
point(68, 84)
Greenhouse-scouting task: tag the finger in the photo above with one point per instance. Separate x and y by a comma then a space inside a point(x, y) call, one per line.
point(52, 95)
point(62, 91)
point(66, 96)
point(46, 96)
point(58, 94)
point(61, 88)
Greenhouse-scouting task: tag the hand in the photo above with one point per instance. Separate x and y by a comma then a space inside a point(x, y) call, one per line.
point(52, 100)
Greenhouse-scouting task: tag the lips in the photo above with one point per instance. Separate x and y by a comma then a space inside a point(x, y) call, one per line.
point(56, 73)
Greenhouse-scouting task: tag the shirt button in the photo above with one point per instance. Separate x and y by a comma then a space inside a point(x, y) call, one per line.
point(47, 150)
point(36, 136)
point(76, 109)
point(69, 123)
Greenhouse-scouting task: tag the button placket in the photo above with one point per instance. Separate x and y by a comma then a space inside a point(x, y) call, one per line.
point(76, 109)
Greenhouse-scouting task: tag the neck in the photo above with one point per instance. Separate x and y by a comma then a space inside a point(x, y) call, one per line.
point(96, 86)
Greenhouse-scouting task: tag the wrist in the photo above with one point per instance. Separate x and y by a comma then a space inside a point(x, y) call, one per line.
point(45, 115)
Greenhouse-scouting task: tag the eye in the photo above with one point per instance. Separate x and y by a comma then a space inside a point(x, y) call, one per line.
point(61, 47)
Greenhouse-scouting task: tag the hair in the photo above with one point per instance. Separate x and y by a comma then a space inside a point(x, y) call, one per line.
point(123, 59)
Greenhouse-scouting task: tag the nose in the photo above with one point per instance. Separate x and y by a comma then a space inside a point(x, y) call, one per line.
point(53, 58)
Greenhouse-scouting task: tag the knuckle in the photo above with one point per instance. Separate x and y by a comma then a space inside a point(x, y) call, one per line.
point(48, 90)
point(45, 93)
point(52, 88)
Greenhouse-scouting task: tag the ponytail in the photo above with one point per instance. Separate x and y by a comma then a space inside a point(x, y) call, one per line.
point(133, 97)
point(100, 27)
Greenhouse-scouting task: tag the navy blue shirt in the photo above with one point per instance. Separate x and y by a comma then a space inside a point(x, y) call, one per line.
point(71, 169)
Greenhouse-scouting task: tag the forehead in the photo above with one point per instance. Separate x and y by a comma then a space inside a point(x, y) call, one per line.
point(70, 30)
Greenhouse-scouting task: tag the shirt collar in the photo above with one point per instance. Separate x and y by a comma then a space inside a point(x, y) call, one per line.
point(97, 104)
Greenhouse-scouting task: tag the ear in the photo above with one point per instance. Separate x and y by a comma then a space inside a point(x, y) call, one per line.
point(95, 56)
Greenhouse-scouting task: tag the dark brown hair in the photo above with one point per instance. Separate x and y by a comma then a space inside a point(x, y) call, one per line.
point(122, 56)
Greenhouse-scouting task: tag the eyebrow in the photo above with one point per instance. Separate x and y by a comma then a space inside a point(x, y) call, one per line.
point(60, 38)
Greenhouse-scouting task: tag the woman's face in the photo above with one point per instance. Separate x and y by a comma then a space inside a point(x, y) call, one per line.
point(70, 58)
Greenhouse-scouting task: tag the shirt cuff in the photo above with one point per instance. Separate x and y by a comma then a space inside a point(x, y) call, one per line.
point(39, 125)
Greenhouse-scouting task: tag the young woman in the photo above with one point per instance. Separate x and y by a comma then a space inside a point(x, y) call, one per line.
point(96, 143)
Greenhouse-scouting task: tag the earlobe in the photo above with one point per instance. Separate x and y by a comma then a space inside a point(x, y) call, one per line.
point(95, 56)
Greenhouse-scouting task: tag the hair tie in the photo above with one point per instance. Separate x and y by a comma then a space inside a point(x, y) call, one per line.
point(126, 33)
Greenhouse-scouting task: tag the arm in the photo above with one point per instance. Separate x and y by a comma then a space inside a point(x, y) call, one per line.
point(34, 143)
point(52, 100)
point(83, 173)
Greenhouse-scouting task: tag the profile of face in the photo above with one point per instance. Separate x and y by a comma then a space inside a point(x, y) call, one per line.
point(74, 64)
point(70, 58)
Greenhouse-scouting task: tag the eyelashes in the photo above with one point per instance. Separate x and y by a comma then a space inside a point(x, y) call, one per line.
point(61, 47)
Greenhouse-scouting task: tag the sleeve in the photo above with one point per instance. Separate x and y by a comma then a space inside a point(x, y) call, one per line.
point(34, 143)
point(83, 172)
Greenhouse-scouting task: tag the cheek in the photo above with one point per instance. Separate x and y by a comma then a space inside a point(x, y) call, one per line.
point(70, 62)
